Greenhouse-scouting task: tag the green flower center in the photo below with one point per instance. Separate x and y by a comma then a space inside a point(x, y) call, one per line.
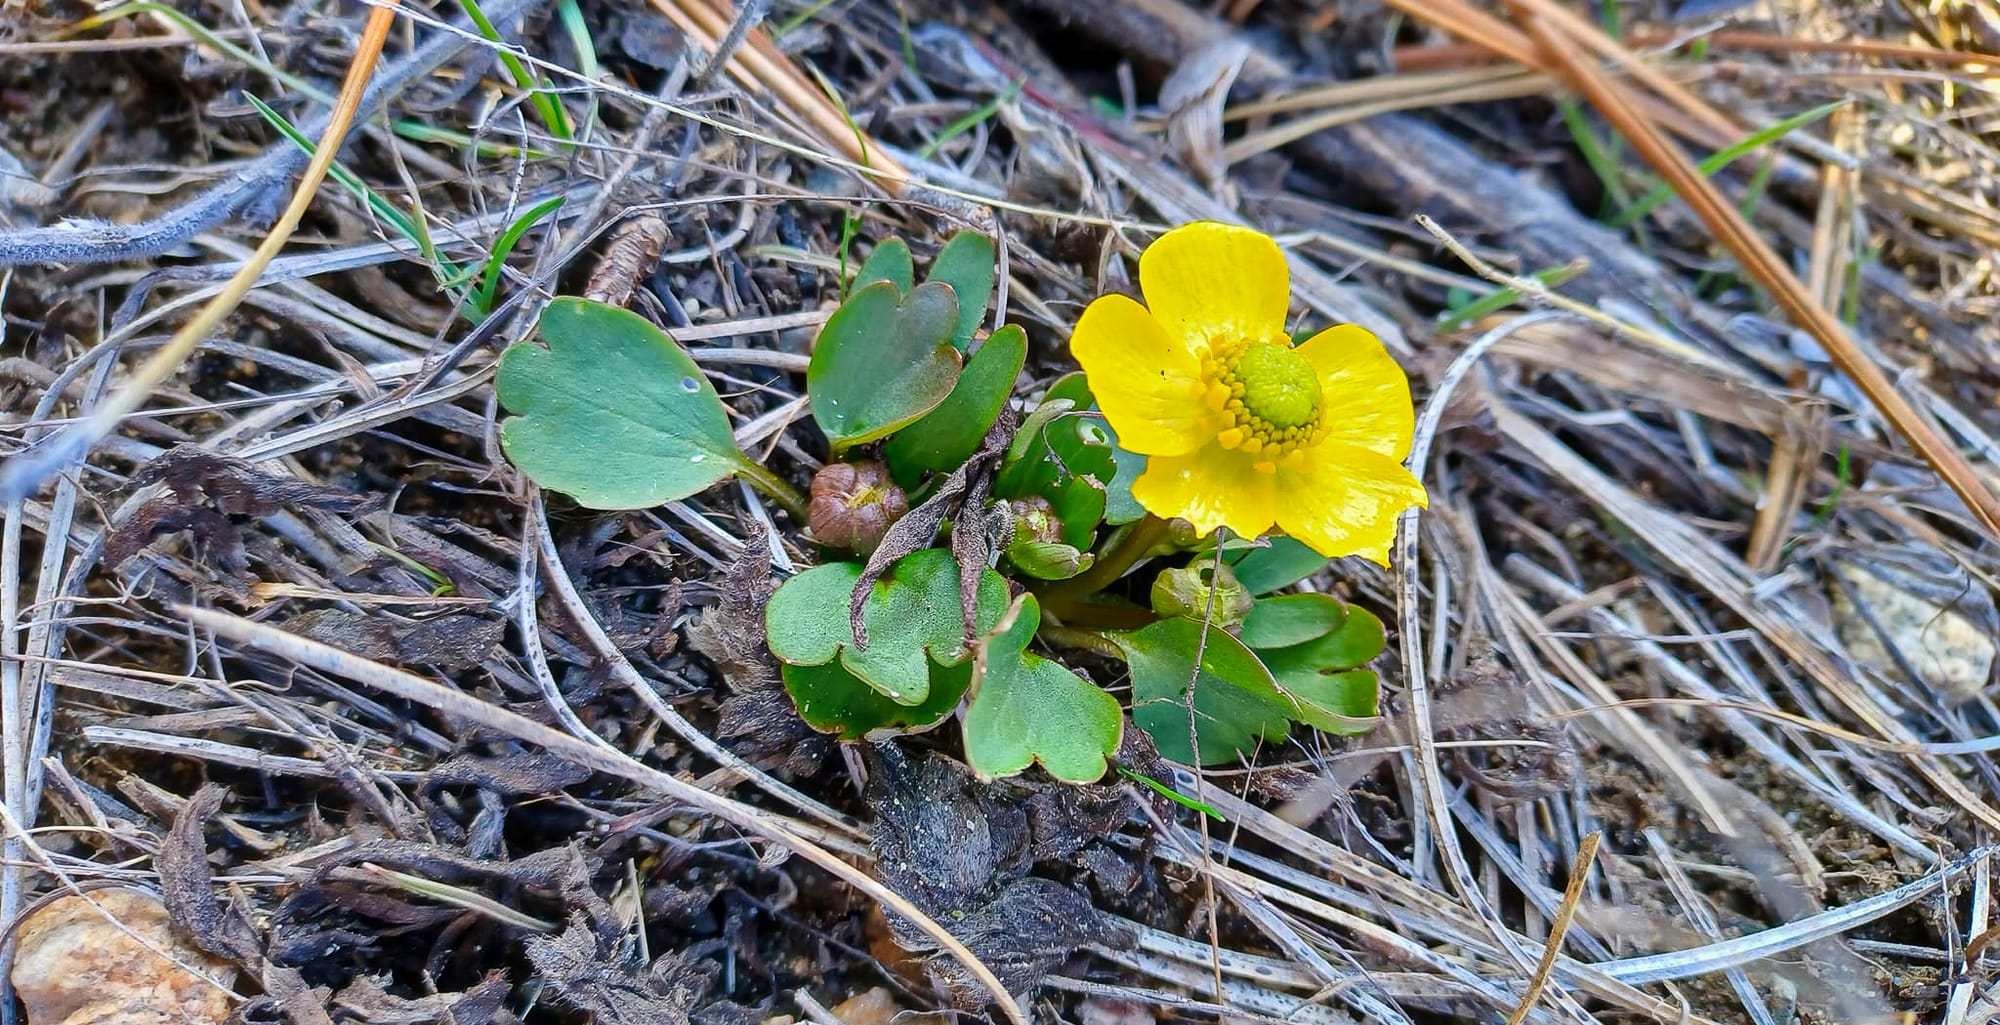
point(1279, 386)
point(1268, 394)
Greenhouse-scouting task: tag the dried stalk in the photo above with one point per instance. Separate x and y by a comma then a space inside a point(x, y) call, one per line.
point(1761, 262)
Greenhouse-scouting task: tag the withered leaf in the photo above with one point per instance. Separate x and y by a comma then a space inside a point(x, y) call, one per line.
point(965, 487)
point(731, 634)
point(186, 885)
point(452, 642)
point(584, 974)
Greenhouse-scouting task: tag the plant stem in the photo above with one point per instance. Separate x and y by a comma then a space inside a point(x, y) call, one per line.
point(774, 487)
point(1072, 611)
point(1082, 640)
point(1139, 539)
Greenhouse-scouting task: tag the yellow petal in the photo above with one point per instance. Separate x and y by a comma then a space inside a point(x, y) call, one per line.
point(1212, 280)
point(1342, 500)
point(1365, 400)
point(1211, 488)
point(1144, 380)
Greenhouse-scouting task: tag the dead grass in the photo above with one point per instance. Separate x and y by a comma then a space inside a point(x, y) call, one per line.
point(1707, 575)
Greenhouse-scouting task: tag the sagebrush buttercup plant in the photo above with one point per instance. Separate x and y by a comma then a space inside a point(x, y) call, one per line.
point(1243, 429)
point(899, 624)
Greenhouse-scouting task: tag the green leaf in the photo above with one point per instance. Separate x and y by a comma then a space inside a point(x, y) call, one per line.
point(1048, 560)
point(882, 362)
point(1236, 702)
point(966, 264)
point(489, 280)
point(1027, 709)
point(833, 700)
point(1724, 157)
point(951, 433)
point(912, 615)
point(1284, 563)
point(889, 262)
point(1343, 704)
point(611, 411)
point(1120, 507)
point(1324, 676)
point(1065, 457)
point(1292, 619)
point(1358, 641)
point(1025, 438)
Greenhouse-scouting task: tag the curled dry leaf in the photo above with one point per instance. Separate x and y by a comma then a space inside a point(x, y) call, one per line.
point(1192, 98)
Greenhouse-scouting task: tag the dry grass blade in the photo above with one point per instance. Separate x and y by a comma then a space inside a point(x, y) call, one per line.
point(600, 759)
point(25, 473)
point(1586, 856)
point(1424, 57)
point(759, 65)
point(1769, 270)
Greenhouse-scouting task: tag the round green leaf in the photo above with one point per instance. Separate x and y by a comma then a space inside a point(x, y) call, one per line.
point(948, 435)
point(1028, 709)
point(1236, 703)
point(913, 616)
point(1120, 507)
point(1284, 562)
point(889, 262)
point(1292, 619)
point(966, 264)
point(832, 700)
point(1324, 677)
point(1358, 641)
point(883, 361)
point(610, 411)
point(1064, 456)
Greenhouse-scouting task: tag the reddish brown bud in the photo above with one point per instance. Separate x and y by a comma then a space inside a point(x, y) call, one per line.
point(853, 505)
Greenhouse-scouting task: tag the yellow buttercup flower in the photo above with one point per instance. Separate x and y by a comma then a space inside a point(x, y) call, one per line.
point(1241, 428)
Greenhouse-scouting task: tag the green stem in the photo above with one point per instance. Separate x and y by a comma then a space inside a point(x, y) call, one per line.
point(774, 487)
point(1139, 540)
point(1072, 611)
point(1082, 640)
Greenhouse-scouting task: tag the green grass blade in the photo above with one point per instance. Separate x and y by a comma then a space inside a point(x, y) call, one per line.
point(1723, 158)
point(547, 107)
point(449, 275)
point(1596, 152)
point(971, 118)
point(1170, 793)
point(578, 31)
point(489, 283)
point(1500, 299)
point(802, 17)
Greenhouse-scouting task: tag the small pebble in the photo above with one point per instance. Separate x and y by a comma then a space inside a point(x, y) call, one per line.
point(1950, 650)
point(79, 964)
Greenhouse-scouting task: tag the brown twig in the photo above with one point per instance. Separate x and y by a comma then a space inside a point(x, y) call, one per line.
point(1758, 259)
point(1586, 854)
point(1434, 57)
point(762, 68)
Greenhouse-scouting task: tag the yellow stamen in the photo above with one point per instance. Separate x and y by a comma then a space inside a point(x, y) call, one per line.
point(1268, 395)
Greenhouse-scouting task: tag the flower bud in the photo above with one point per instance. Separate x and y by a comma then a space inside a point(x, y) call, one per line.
point(1035, 521)
point(853, 505)
point(1184, 592)
point(1181, 534)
